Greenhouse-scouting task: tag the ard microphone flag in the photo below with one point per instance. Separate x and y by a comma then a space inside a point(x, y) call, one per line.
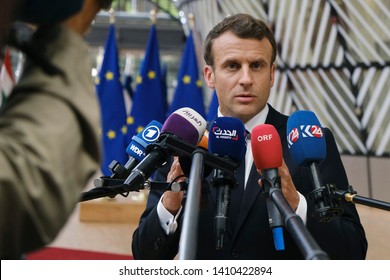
point(305, 138)
point(139, 142)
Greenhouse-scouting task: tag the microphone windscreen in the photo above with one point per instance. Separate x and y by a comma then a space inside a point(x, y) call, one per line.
point(185, 162)
point(227, 138)
point(266, 147)
point(139, 142)
point(305, 138)
point(186, 124)
point(204, 141)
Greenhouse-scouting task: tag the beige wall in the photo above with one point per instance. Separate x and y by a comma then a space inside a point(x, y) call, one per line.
point(370, 177)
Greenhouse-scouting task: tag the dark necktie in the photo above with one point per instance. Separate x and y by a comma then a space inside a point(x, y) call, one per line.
point(238, 192)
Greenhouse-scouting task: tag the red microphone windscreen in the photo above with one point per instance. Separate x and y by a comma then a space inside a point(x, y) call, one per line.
point(266, 147)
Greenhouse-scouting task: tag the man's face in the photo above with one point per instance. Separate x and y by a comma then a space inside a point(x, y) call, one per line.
point(242, 76)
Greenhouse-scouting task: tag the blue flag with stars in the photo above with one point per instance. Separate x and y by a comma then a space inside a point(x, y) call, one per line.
point(213, 108)
point(149, 101)
point(189, 91)
point(112, 106)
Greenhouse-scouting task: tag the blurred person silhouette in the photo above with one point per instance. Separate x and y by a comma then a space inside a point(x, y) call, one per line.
point(49, 128)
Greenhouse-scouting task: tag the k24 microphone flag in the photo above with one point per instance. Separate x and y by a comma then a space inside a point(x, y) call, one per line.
point(305, 138)
point(7, 80)
point(112, 105)
point(189, 91)
point(148, 101)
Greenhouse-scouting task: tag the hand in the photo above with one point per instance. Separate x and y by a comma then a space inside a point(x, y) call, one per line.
point(287, 185)
point(172, 200)
point(288, 188)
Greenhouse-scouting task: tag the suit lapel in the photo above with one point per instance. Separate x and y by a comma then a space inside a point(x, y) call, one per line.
point(252, 190)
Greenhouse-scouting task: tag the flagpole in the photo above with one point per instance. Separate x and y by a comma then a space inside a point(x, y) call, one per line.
point(191, 21)
point(112, 16)
point(153, 16)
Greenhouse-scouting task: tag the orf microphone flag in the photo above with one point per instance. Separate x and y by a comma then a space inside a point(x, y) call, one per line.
point(267, 156)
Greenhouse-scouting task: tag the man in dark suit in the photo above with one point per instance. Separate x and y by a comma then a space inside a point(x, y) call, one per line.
point(240, 53)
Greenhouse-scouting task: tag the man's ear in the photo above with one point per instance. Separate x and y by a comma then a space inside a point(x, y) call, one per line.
point(272, 78)
point(209, 78)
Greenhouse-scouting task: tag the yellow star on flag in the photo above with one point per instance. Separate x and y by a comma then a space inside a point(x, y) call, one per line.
point(111, 134)
point(186, 79)
point(151, 74)
point(109, 75)
point(130, 120)
point(199, 83)
point(124, 129)
point(138, 79)
point(140, 128)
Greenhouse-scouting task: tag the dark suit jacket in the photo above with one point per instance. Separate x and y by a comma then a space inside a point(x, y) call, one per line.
point(341, 238)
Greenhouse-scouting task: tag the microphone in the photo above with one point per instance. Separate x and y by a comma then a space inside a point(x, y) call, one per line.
point(226, 139)
point(267, 156)
point(137, 146)
point(185, 162)
point(307, 147)
point(184, 124)
point(135, 150)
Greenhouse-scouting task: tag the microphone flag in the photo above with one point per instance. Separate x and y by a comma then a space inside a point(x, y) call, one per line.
point(305, 138)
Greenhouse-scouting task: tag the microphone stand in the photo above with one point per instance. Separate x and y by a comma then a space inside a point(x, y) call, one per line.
point(294, 224)
point(108, 186)
point(188, 239)
point(351, 196)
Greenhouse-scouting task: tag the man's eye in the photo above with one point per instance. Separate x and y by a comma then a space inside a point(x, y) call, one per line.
point(232, 66)
point(256, 65)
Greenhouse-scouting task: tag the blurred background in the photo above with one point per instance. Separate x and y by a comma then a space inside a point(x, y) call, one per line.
point(334, 59)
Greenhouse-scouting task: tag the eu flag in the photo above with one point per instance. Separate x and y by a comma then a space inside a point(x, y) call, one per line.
point(112, 105)
point(148, 102)
point(213, 108)
point(189, 91)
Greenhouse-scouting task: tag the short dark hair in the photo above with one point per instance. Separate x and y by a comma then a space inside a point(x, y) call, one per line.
point(242, 25)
